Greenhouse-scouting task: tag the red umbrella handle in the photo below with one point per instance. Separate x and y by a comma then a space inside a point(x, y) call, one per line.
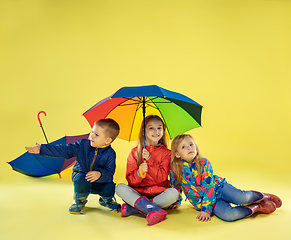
point(39, 118)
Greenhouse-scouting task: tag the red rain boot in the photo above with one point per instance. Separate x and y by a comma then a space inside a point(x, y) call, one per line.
point(262, 207)
point(273, 198)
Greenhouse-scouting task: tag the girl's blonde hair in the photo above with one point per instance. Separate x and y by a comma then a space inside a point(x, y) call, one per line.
point(177, 164)
point(140, 143)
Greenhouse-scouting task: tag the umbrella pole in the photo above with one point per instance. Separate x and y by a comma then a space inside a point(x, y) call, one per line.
point(41, 124)
point(44, 134)
point(143, 113)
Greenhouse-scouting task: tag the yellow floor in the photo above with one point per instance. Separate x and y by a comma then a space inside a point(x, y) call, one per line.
point(37, 208)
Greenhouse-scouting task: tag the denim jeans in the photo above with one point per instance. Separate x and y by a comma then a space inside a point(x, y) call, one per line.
point(227, 194)
point(84, 187)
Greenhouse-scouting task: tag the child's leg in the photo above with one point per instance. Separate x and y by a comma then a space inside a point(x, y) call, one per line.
point(231, 194)
point(166, 198)
point(81, 192)
point(106, 191)
point(128, 194)
point(227, 194)
point(81, 185)
point(226, 212)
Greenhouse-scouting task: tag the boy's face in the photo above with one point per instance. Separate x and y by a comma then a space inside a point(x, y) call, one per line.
point(98, 137)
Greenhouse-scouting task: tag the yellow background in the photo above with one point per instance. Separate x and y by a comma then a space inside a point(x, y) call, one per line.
point(232, 57)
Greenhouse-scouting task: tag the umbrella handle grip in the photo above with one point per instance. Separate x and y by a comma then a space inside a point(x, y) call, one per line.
point(142, 175)
point(38, 116)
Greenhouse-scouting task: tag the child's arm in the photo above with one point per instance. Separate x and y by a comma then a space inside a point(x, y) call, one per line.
point(208, 184)
point(132, 175)
point(61, 151)
point(174, 184)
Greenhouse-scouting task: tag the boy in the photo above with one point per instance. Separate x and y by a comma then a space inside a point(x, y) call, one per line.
point(95, 166)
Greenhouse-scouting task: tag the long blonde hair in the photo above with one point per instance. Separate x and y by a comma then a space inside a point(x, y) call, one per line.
point(140, 143)
point(177, 164)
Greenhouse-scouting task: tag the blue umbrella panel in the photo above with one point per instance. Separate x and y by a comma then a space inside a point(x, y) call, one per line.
point(36, 166)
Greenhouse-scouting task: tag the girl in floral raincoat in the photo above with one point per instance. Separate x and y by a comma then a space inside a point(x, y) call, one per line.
point(209, 193)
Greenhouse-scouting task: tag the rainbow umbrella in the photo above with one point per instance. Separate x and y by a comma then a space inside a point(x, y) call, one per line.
point(36, 166)
point(130, 105)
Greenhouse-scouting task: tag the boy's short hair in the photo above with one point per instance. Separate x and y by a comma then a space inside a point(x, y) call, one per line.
point(110, 126)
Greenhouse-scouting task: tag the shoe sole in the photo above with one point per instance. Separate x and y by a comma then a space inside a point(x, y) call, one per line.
point(156, 217)
point(110, 208)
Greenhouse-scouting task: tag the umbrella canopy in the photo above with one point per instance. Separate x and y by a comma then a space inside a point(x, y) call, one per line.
point(129, 105)
point(36, 166)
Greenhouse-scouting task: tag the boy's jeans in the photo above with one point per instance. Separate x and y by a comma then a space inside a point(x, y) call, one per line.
point(82, 187)
point(227, 194)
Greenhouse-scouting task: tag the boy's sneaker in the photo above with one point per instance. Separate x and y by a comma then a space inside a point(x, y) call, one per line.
point(109, 203)
point(81, 204)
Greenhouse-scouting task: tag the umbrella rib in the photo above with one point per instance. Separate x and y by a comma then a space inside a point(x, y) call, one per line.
point(148, 103)
point(132, 123)
point(44, 165)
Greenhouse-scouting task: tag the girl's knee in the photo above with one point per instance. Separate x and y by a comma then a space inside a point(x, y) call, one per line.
point(172, 194)
point(120, 187)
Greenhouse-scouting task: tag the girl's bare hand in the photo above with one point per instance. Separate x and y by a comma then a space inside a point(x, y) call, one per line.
point(203, 217)
point(144, 167)
point(174, 206)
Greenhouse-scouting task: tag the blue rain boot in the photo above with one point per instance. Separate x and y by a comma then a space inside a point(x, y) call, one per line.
point(127, 210)
point(153, 213)
point(80, 199)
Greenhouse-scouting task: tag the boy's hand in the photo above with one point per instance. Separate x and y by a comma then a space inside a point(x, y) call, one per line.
point(144, 167)
point(35, 149)
point(174, 206)
point(203, 217)
point(93, 176)
point(145, 154)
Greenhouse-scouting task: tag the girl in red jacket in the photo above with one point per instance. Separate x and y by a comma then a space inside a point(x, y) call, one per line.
point(148, 188)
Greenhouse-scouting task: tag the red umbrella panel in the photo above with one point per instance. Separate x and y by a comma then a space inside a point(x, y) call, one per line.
point(36, 166)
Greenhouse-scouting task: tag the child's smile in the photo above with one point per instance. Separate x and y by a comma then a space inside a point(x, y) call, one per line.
point(154, 132)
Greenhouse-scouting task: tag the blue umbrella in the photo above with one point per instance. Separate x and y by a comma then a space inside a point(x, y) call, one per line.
point(36, 166)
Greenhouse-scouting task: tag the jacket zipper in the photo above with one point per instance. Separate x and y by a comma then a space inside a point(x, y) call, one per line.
point(91, 167)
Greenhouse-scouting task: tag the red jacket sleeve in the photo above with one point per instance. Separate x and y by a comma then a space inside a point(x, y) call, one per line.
point(132, 176)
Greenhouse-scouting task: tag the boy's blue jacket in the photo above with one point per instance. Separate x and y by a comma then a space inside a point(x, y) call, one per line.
point(89, 158)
